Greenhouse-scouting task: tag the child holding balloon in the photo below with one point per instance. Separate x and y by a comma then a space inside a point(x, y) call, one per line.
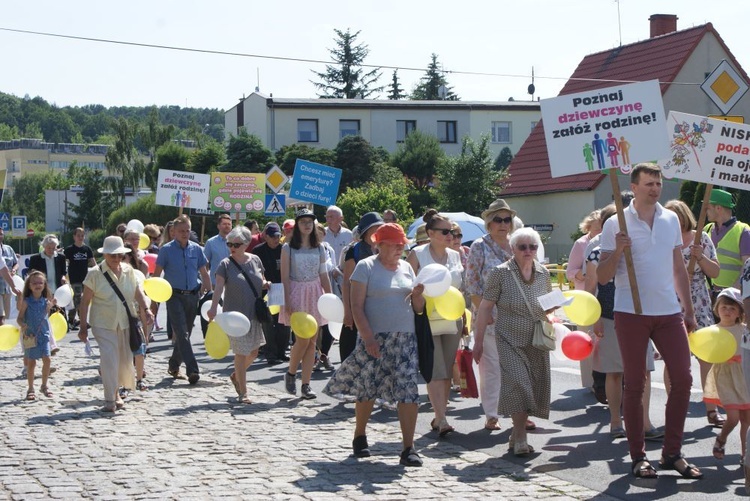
point(725, 384)
point(33, 310)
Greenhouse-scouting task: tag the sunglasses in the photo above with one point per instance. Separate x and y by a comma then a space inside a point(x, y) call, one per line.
point(457, 235)
point(523, 247)
point(506, 220)
point(235, 245)
point(444, 231)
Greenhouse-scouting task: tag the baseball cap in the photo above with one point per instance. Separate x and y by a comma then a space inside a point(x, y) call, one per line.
point(272, 229)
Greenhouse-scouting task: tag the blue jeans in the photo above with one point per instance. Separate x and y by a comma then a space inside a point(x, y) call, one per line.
point(182, 310)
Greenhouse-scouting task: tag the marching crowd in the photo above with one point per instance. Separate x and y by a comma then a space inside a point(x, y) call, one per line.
point(688, 278)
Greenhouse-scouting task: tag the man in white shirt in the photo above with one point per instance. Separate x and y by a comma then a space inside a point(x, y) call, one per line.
point(337, 237)
point(654, 237)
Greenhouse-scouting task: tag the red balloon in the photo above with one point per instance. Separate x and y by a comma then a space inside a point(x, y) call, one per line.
point(577, 345)
point(151, 261)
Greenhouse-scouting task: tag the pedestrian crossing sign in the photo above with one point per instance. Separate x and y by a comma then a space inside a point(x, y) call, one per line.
point(275, 205)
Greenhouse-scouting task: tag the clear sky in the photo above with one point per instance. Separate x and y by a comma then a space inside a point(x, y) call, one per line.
point(499, 37)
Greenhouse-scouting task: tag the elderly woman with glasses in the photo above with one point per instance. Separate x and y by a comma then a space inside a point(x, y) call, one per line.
point(109, 318)
point(447, 333)
point(486, 253)
point(513, 288)
point(232, 277)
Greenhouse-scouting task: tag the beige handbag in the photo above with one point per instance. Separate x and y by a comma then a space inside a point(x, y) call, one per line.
point(544, 335)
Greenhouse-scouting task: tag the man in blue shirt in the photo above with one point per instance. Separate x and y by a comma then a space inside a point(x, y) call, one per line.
point(182, 261)
point(216, 247)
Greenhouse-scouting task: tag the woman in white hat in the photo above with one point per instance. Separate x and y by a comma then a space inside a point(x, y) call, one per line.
point(108, 318)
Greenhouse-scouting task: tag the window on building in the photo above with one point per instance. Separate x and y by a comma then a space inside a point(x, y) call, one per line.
point(446, 131)
point(404, 128)
point(348, 128)
point(307, 130)
point(501, 132)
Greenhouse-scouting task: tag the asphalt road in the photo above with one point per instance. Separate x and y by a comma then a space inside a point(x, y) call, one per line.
point(573, 445)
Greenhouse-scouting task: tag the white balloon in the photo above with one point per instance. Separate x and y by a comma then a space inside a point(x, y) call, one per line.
point(331, 308)
point(234, 323)
point(207, 306)
point(139, 277)
point(436, 279)
point(335, 329)
point(64, 295)
point(136, 225)
point(560, 332)
point(18, 282)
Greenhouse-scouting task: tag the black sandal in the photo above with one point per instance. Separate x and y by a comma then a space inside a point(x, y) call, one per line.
point(669, 463)
point(643, 469)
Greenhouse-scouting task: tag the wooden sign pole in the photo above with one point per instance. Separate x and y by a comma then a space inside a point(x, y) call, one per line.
point(627, 252)
point(699, 229)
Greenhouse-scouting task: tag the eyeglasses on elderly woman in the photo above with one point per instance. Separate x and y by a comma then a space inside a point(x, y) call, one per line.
point(506, 220)
point(235, 245)
point(524, 247)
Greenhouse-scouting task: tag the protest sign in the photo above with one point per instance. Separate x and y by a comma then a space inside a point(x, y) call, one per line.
point(182, 189)
point(605, 128)
point(237, 191)
point(708, 151)
point(315, 183)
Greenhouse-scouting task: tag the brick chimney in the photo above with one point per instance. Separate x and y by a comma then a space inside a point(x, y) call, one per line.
point(661, 24)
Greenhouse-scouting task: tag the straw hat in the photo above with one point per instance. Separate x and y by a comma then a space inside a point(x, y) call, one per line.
point(497, 206)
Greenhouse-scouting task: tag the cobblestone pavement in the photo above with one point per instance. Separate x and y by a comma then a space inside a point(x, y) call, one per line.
point(176, 441)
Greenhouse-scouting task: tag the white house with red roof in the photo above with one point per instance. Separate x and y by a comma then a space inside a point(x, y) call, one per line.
point(680, 60)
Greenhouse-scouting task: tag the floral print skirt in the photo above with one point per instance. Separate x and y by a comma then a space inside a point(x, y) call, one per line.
point(394, 377)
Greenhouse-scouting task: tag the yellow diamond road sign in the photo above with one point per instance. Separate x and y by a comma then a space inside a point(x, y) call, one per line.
point(724, 86)
point(276, 179)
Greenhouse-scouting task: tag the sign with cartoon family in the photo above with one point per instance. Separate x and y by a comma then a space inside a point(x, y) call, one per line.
point(708, 151)
point(613, 127)
point(182, 189)
point(237, 192)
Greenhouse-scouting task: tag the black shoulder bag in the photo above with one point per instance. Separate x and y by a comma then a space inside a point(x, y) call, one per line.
point(135, 333)
point(262, 313)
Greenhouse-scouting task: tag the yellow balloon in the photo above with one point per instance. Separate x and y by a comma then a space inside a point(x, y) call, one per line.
point(713, 344)
point(304, 325)
point(274, 308)
point(157, 289)
point(143, 241)
point(217, 342)
point(468, 317)
point(450, 305)
point(429, 306)
point(584, 310)
point(9, 336)
point(59, 325)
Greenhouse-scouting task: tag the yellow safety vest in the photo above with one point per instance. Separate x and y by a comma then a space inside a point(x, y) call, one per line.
point(728, 252)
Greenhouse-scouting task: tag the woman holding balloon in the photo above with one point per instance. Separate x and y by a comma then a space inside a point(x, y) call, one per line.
point(513, 288)
point(232, 277)
point(706, 266)
point(384, 364)
point(305, 276)
point(109, 318)
point(446, 333)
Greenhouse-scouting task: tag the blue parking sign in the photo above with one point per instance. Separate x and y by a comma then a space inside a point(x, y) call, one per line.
point(4, 221)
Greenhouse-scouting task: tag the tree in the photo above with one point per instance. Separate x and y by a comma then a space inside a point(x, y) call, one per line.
point(356, 158)
point(468, 183)
point(418, 157)
point(207, 158)
point(288, 154)
point(395, 91)
point(355, 202)
point(247, 153)
point(347, 79)
point(27, 195)
point(94, 201)
point(8, 132)
point(503, 160)
point(152, 136)
point(433, 85)
point(171, 156)
point(123, 160)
